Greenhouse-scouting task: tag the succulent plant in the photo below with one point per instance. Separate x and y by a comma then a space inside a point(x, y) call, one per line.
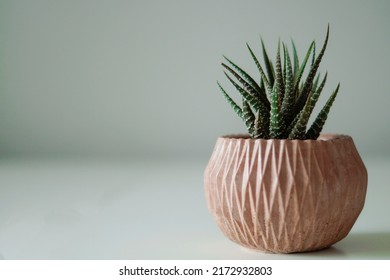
point(280, 105)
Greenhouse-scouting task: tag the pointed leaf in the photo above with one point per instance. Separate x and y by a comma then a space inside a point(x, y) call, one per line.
point(321, 86)
point(242, 76)
point(299, 130)
point(261, 126)
point(275, 128)
point(284, 64)
point(250, 98)
point(264, 78)
point(231, 102)
point(315, 83)
point(268, 65)
point(314, 54)
point(291, 126)
point(279, 78)
point(289, 96)
point(319, 122)
point(309, 80)
point(296, 59)
point(248, 117)
point(298, 75)
point(249, 84)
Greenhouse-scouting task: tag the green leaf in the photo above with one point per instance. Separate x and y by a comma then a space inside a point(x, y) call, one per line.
point(299, 130)
point(314, 54)
point(279, 78)
point(315, 83)
point(319, 122)
point(262, 86)
point(284, 64)
point(289, 96)
point(261, 125)
point(259, 102)
point(249, 84)
point(231, 102)
point(279, 104)
point(309, 80)
point(275, 129)
point(264, 78)
point(291, 125)
point(321, 86)
point(296, 59)
point(248, 117)
point(298, 75)
point(250, 98)
point(242, 77)
point(268, 65)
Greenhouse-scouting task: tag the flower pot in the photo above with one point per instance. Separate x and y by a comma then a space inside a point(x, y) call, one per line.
point(284, 195)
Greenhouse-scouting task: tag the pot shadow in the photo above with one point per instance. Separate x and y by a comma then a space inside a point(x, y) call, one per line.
point(375, 245)
point(356, 246)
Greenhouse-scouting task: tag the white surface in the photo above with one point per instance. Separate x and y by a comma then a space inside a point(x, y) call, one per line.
point(145, 209)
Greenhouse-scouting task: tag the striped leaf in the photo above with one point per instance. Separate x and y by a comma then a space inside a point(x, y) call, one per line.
point(268, 64)
point(249, 84)
point(245, 79)
point(313, 54)
point(248, 117)
point(315, 83)
point(298, 75)
point(261, 126)
point(289, 96)
point(291, 126)
point(309, 80)
point(319, 122)
point(250, 98)
point(296, 59)
point(275, 129)
point(284, 63)
point(264, 78)
point(279, 105)
point(260, 105)
point(299, 130)
point(321, 86)
point(279, 85)
point(231, 102)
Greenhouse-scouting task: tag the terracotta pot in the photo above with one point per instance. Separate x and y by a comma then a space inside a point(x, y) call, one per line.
point(285, 195)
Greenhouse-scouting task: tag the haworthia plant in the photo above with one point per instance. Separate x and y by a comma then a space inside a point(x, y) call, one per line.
point(279, 106)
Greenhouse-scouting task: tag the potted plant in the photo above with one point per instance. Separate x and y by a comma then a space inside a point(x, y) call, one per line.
point(284, 187)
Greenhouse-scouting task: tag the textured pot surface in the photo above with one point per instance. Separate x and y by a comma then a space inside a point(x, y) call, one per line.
point(285, 195)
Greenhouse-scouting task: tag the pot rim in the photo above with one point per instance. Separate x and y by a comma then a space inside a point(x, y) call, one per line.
point(322, 138)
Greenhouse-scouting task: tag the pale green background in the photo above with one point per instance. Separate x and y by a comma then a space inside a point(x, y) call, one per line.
point(83, 82)
point(138, 78)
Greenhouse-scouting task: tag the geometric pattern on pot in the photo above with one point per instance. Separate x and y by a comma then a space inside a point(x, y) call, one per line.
point(284, 195)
